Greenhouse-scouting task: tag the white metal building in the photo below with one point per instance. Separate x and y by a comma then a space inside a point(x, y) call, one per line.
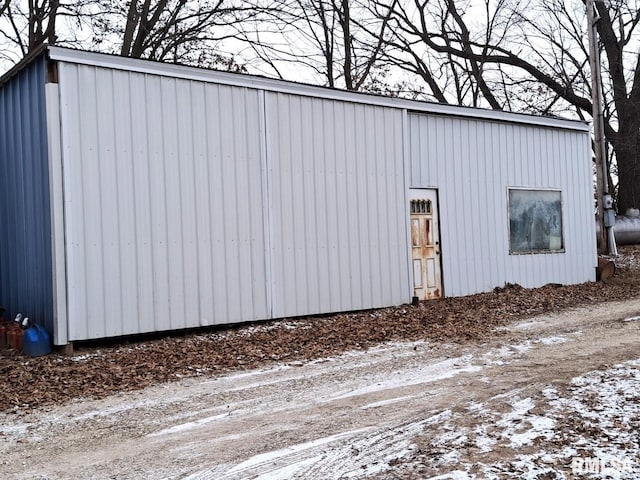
point(171, 197)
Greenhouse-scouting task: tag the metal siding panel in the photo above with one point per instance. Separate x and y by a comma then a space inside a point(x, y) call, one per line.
point(299, 243)
point(190, 314)
point(319, 131)
point(72, 187)
point(59, 274)
point(129, 311)
point(163, 193)
point(230, 204)
point(29, 193)
point(108, 244)
point(170, 191)
point(332, 204)
point(26, 283)
point(216, 201)
point(245, 201)
point(462, 206)
point(199, 121)
point(379, 253)
point(473, 166)
point(394, 239)
point(144, 113)
point(341, 243)
point(362, 208)
point(322, 240)
point(93, 214)
point(252, 135)
point(310, 207)
point(475, 194)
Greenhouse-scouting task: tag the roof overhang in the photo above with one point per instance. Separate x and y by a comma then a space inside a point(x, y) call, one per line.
point(116, 62)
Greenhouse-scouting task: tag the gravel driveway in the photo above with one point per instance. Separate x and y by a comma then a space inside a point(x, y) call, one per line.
point(532, 401)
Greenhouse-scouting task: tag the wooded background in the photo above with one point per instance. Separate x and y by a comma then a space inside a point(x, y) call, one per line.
point(526, 56)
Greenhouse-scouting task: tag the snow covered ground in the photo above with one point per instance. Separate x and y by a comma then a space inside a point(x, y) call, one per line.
point(591, 428)
point(553, 397)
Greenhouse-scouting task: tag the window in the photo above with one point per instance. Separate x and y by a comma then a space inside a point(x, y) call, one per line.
point(535, 221)
point(421, 206)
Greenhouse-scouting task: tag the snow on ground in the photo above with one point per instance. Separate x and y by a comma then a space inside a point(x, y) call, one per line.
point(591, 430)
point(400, 410)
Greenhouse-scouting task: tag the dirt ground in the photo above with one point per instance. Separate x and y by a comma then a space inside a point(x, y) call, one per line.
point(533, 401)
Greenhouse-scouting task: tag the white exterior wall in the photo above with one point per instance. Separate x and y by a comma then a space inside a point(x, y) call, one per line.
point(197, 198)
point(472, 163)
point(337, 194)
point(164, 223)
point(190, 203)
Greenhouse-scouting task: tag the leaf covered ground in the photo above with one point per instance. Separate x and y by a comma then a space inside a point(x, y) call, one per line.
point(95, 371)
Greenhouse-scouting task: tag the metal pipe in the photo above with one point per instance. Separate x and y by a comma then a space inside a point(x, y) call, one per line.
point(626, 230)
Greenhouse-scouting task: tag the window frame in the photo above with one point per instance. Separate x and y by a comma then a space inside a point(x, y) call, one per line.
point(535, 251)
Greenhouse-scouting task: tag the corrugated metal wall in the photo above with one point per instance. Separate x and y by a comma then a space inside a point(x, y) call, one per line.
point(189, 203)
point(472, 163)
point(25, 241)
point(163, 203)
point(337, 198)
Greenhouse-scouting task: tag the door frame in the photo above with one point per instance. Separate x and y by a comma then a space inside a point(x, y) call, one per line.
point(412, 194)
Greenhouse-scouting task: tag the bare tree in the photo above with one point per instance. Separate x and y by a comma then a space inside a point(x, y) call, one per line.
point(450, 78)
point(186, 31)
point(533, 55)
point(336, 40)
point(25, 25)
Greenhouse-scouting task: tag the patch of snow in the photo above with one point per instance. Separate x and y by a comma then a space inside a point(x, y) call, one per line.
point(86, 356)
point(268, 457)
point(596, 420)
point(553, 340)
point(521, 407)
point(106, 412)
point(522, 348)
point(455, 475)
point(360, 453)
point(484, 442)
point(540, 427)
point(527, 325)
point(250, 374)
point(476, 407)
point(187, 426)
point(13, 429)
point(425, 374)
point(389, 401)
point(498, 357)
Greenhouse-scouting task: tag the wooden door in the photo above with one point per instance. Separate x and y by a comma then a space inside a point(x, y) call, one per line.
point(425, 245)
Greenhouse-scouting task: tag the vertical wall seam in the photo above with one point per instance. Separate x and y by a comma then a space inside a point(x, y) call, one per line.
point(407, 165)
point(56, 192)
point(266, 199)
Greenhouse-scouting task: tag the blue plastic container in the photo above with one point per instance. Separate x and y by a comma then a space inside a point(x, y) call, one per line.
point(36, 341)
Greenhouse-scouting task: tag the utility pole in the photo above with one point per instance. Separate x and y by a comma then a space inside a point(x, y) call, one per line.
point(606, 214)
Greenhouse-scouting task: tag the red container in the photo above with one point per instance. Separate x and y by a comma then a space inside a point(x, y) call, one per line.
point(14, 337)
point(20, 335)
point(4, 325)
point(3, 335)
point(10, 336)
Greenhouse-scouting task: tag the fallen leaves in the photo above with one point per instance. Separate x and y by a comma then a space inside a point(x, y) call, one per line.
point(101, 371)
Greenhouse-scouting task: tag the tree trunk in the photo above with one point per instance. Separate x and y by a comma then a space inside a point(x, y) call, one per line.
point(628, 175)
